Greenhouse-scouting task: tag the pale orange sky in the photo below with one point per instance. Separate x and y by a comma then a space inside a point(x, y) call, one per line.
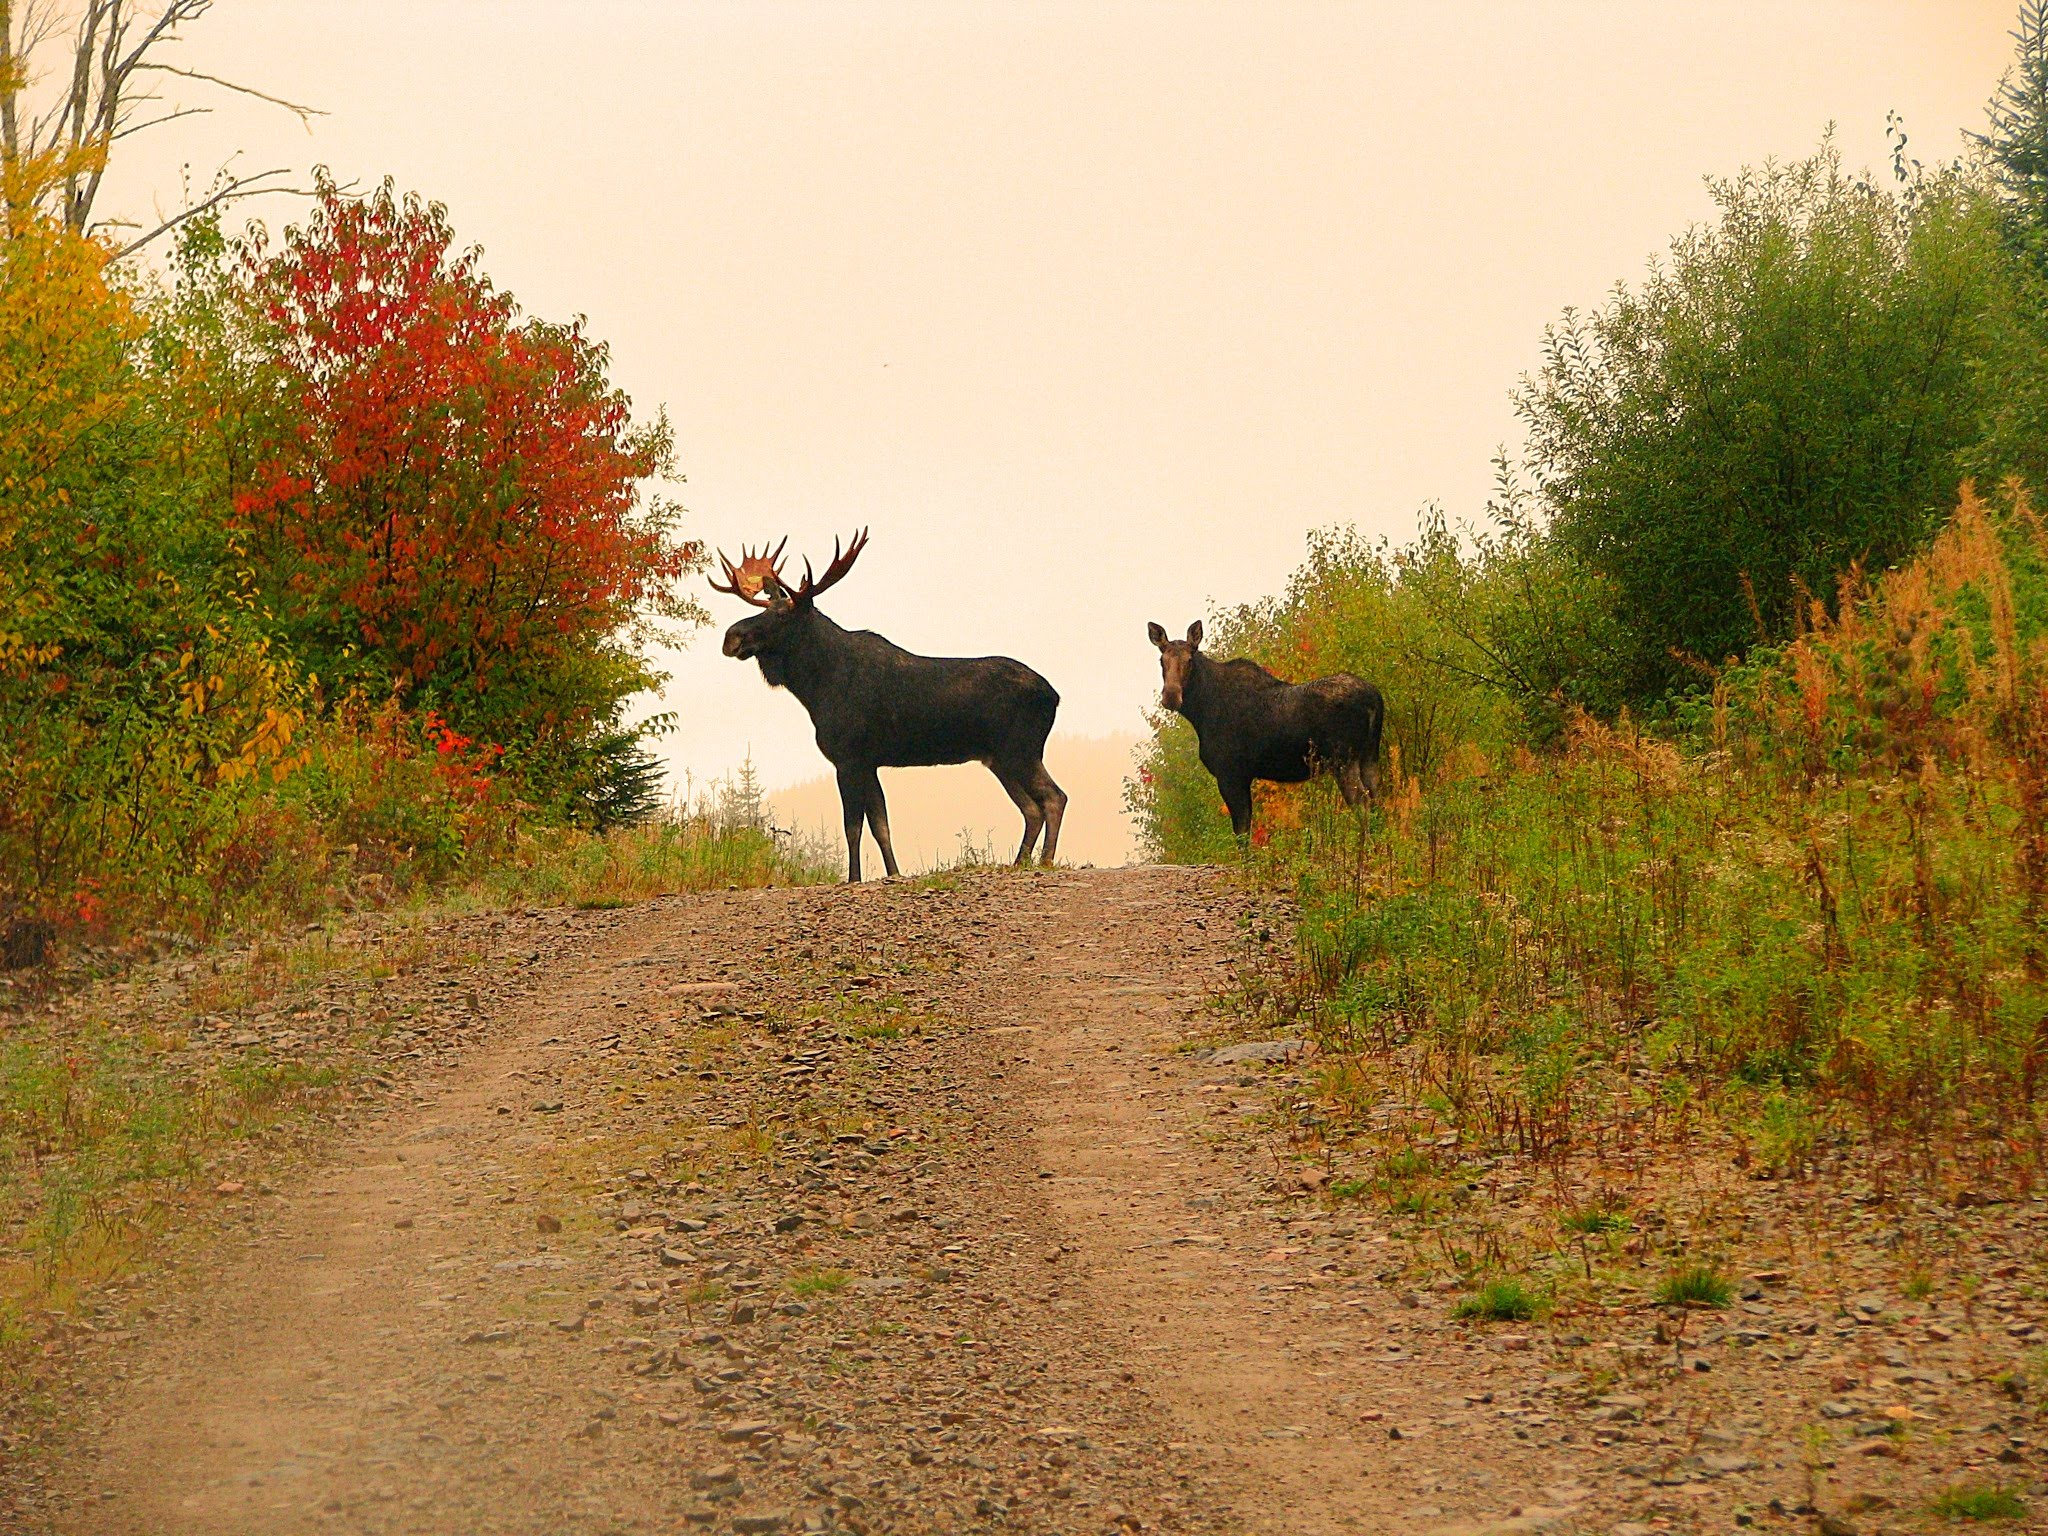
point(1088, 311)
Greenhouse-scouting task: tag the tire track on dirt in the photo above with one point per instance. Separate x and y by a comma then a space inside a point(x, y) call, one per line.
point(1243, 1311)
point(282, 1399)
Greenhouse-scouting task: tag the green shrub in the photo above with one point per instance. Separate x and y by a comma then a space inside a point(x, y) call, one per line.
point(1174, 802)
point(1791, 391)
point(145, 716)
point(1501, 1300)
point(1695, 1285)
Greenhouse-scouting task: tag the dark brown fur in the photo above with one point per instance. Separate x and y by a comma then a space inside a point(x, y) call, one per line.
point(1251, 725)
point(876, 705)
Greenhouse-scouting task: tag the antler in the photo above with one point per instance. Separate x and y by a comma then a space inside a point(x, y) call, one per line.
point(750, 579)
point(840, 565)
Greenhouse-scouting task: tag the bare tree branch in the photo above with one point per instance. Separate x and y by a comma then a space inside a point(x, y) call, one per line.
point(157, 122)
point(174, 15)
point(234, 191)
point(10, 123)
point(59, 163)
point(112, 80)
point(300, 112)
point(80, 94)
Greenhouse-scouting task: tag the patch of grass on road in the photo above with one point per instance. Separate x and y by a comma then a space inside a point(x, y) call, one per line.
point(112, 1109)
point(104, 1135)
point(1696, 1285)
point(819, 1282)
point(1979, 1501)
point(693, 1297)
point(1500, 1300)
point(1595, 1221)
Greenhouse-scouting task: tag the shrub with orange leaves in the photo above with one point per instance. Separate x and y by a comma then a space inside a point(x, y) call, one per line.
point(439, 495)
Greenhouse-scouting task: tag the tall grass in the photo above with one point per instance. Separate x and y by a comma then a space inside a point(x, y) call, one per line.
point(686, 850)
point(370, 810)
point(1810, 917)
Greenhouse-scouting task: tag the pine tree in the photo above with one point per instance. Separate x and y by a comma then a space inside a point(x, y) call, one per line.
point(740, 807)
point(2018, 138)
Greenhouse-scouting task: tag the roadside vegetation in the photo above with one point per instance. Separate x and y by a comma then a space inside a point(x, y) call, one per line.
point(328, 579)
point(1716, 811)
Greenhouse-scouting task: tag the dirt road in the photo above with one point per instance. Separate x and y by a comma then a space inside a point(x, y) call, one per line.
point(878, 1209)
point(901, 1208)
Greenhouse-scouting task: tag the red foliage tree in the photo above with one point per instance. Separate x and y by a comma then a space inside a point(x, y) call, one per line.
point(448, 498)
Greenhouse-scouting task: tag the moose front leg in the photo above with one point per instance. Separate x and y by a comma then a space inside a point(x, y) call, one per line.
point(878, 820)
point(1237, 799)
point(853, 804)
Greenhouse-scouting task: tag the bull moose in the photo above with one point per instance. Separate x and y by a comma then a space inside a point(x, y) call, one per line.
point(1251, 725)
point(876, 705)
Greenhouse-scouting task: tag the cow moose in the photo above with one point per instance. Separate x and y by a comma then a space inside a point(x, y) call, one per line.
point(1251, 725)
point(875, 705)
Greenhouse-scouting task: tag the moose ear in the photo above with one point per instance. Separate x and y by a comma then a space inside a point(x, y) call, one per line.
point(1195, 633)
point(1157, 633)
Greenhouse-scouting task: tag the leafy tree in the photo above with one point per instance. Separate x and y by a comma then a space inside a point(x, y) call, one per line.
point(1504, 612)
point(65, 401)
point(442, 497)
point(1790, 394)
point(134, 690)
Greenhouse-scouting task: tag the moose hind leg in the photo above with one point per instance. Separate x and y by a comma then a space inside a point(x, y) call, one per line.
point(878, 821)
point(1017, 787)
point(853, 807)
point(1351, 780)
point(1052, 800)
